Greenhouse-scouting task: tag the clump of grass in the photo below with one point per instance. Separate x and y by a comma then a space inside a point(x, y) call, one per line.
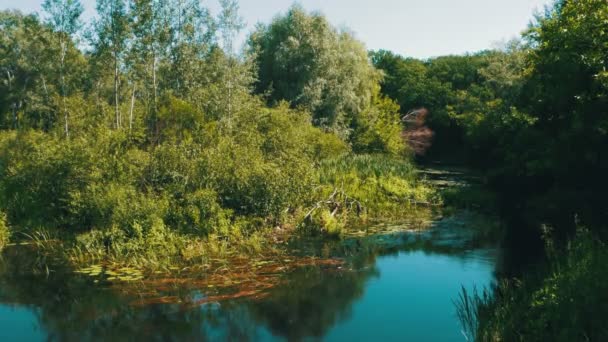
point(328, 222)
point(468, 306)
point(361, 187)
point(159, 247)
point(565, 301)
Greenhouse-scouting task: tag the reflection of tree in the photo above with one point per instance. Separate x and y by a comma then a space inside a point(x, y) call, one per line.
point(73, 308)
point(311, 302)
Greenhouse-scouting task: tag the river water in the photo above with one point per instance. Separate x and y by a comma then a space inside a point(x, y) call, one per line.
point(392, 284)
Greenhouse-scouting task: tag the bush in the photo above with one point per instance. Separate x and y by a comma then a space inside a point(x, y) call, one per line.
point(264, 165)
point(199, 212)
point(40, 175)
point(153, 245)
point(378, 129)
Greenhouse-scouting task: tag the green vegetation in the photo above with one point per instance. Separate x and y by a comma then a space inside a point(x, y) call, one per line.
point(563, 301)
point(145, 141)
point(158, 145)
point(528, 116)
point(302, 59)
point(353, 188)
point(532, 118)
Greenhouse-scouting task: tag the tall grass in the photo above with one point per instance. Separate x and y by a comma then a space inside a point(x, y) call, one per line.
point(363, 187)
point(468, 308)
point(566, 301)
point(382, 183)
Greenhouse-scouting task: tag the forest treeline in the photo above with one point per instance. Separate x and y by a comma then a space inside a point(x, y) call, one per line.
point(146, 134)
point(533, 118)
point(531, 115)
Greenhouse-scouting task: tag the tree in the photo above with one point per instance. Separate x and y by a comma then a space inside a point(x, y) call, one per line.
point(229, 24)
point(301, 58)
point(151, 29)
point(566, 93)
point(112, 30)
point(192, 36)
point(63, 16)
point(28, 72)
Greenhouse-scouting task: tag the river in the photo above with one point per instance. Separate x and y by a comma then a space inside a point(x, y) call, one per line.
point(394, 282)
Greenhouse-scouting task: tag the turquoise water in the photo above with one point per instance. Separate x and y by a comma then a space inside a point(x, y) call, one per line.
point(18, 323)
point(398, 287)
point(412, 298)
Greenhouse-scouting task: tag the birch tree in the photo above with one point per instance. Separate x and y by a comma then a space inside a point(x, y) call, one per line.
point(112, 29)
point(63, 16)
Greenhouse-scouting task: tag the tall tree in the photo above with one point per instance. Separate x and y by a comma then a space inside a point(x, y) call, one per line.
point(28, 72)
point(193, 32)
point(567, 93)
point(63, 16)
point(112, 29)
point(301, 58)
point(229, 24)
point(151, 38)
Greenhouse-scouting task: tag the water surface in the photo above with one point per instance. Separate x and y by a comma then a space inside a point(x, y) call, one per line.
point(392, 286)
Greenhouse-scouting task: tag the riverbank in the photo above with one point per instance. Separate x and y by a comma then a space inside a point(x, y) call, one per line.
point(428, 248)
point(320, 288)
point(345, 192)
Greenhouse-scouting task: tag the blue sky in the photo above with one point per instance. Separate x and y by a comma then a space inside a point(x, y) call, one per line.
point(417, 28)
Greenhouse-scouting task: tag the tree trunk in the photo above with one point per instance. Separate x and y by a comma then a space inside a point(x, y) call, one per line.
point(116, 110)
point(10, 91)
point(154, 80)
point(131, 111)
point(63, 46)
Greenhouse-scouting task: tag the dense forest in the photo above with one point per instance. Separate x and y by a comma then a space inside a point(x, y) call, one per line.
point(148, 138)
point(532, 118)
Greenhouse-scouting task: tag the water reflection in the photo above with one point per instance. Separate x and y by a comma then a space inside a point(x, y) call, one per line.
point(393, 286)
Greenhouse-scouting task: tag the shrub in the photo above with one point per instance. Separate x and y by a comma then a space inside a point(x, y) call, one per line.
point(39, 175)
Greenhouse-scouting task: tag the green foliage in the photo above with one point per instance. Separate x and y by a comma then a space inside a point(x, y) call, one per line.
point(380, 183)
point(330, 224)
point(151, 246)
point(40, 176)
point(151, 146)
point(264, 165)
point(302, 59)
point(177, 120)
point(378, 129)
point(528, 114)
point(566, 302)
point(567, 95)
point(31, 84)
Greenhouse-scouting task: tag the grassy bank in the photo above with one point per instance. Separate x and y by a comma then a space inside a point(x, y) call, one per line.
point(354, 189)
point(113, 200)
point(564, 300)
